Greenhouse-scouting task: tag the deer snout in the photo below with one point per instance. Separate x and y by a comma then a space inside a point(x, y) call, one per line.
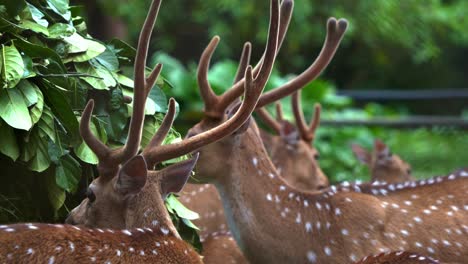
point(70, 220)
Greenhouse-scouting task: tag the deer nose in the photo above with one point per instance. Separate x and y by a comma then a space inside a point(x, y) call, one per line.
point(69, 220)
point(321, 186)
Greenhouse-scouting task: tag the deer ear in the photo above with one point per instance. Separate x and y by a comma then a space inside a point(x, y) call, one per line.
point(174, 177)
point(361, 154)
point(132, 176)
point(289, 133)
point(381, 148)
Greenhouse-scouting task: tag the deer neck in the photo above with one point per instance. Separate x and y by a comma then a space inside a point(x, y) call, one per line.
point(256, 201)
point(147, 209)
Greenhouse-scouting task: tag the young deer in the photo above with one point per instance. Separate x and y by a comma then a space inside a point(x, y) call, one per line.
point(292, 153)
point(383, 165)
point(275, 223)
point(126, 189)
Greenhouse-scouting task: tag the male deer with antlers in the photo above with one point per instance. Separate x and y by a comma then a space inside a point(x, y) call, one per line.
point(275, 223)
point(126, 190)
point(383, 165)
point(292, 152)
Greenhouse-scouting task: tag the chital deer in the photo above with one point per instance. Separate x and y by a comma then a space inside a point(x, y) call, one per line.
point(125, 189)
point(292, 153)
point(383, 165)
point(275, 223)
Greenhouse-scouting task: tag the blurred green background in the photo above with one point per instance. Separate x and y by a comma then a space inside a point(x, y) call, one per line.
point(390, 44)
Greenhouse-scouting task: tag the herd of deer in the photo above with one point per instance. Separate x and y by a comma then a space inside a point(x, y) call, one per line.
point(261, 198)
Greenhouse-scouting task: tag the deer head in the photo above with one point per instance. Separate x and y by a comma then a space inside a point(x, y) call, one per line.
point(292, 151)
point(383, 165)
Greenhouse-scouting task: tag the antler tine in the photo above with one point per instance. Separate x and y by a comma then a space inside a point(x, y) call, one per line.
point(307, 132)
point(279, 112)
point(268, 120)
point(298, 114)
point(285, 18)
point(236, 90)
point(315, 122)
point(210, 99)
point(158, 138)
point(142, 86)
point(335, 32)
point(244, 61)
point(101, 150)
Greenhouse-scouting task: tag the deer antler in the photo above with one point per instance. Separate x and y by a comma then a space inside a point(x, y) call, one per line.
point(307, 131)
point(335, 32)
point(235, 91)
point(109, 158)
point(273, 123)
point(252, 91)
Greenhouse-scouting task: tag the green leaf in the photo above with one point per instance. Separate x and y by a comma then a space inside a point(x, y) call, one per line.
point(109, 60)
point(41, 160)
point(159, 98)
point(37, 15)
point(125, 53)
point(83, 152)
point(28, 91)
point(56, 151)
point(150, 107)
point(60, 7)
point(36, 51)
point(150, 126)
point(61, 108)
point(36, 111)
point(56, 195)
point(28, 67)
point(102, 78)
point(46, 124)
point(190, 224)
point(68, 173)
point(77, 43)
point(8, 144)
point(31, 25)
point(60, 30)
point(12, 66)
point(14, 109)
point(125, 81)
point(180, 209)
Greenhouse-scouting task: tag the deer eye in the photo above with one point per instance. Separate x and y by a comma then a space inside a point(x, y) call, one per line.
point(90, 195)
point(316, 156)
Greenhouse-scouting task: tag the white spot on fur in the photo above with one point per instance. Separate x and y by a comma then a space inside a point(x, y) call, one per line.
point(311, 256)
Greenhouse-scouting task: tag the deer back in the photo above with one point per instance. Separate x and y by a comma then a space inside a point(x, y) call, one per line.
point(398, 257)
point(44, 243)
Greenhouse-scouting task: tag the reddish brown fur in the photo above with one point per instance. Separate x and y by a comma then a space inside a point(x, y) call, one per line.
point(43, 243)
point(398, 257)
point(383, 165)
point(222, 248)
